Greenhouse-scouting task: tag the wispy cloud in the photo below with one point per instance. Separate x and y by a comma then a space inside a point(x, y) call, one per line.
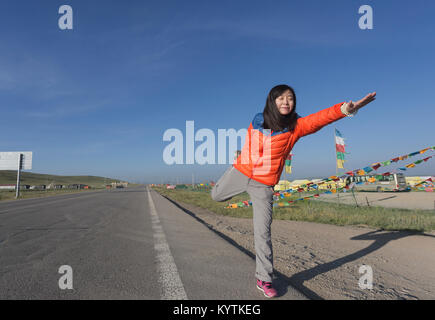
point(68, 109)
point(26, 72)
point(301, 31)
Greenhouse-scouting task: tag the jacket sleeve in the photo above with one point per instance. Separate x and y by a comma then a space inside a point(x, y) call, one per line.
point(316, 121)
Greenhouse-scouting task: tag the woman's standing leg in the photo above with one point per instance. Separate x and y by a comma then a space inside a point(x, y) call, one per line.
point(230, 184)
point(262, 202)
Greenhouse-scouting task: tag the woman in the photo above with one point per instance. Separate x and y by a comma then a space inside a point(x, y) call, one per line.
point(270, 138)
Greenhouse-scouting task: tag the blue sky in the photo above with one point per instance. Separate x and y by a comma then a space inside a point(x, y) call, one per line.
point(97, 99)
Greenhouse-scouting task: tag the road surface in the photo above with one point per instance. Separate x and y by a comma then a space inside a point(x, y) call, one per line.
point(119, 244)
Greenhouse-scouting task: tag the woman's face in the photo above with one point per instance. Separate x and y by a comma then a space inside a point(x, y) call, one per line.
point(285, 102)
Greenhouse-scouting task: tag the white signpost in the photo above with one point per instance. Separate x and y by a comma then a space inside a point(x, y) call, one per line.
point(16, 161)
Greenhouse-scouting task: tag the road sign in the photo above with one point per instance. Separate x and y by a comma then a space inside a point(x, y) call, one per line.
point(9, 160)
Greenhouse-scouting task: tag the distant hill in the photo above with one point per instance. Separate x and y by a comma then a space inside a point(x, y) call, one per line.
point(10, 177)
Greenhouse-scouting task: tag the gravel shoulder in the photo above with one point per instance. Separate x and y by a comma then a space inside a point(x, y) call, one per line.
point(323, 261)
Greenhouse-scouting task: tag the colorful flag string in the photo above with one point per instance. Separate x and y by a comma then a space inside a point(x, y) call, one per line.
point(288, 164)
point(374, 166)
point(315, 185)
point(340, 149)
point(423, 182)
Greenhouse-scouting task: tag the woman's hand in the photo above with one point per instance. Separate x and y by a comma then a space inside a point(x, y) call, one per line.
point(353, 107)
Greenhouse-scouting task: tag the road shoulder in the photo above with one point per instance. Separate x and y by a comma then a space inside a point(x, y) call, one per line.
point(323, 261)
point(211, 266)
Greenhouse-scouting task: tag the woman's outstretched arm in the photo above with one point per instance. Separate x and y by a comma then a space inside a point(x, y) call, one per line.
point(316, 121)
point(352, 107)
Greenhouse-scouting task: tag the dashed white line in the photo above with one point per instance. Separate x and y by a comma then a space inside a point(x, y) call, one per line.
point(170, 282)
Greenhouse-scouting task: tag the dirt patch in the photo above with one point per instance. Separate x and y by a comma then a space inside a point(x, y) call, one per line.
point(323, 261)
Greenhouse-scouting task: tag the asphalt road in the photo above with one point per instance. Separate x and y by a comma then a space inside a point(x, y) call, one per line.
point(120, 244)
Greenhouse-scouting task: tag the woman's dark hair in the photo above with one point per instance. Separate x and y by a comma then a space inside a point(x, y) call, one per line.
point(273, 119)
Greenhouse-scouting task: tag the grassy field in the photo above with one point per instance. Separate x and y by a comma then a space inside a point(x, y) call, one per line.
point(30, 178)
point(317, 211)
point(10, 177)
point(27, 194)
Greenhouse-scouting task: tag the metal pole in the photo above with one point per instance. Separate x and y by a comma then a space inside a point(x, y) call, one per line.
point(17, 191)
point(336, 167)
point(354, 197)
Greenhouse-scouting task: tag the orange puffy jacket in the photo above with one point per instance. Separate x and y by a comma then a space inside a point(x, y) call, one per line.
point(263, 156)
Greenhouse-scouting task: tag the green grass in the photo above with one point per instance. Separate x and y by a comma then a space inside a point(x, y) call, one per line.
point(10, 177)
point(30, 178)
point(317, 211)
point(27, 194)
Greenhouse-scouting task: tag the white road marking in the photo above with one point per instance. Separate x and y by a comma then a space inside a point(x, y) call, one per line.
point(171, 286)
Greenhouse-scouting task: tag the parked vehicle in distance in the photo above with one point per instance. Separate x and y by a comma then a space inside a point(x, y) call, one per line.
point(378, 182)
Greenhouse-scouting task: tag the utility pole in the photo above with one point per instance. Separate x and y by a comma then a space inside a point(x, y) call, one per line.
point(20, 160)
point(336, 167)
point(353, 194)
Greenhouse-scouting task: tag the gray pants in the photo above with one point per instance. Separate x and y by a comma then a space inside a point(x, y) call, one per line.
point(232, 183)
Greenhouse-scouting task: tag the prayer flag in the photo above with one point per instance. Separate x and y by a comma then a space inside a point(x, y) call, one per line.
point(376, 166)
point(340, 155)
point(339, 140)
point(340, 149)
point(288, 164)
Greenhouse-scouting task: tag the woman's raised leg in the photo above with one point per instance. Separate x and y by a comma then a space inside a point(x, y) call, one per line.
point(230, 184)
